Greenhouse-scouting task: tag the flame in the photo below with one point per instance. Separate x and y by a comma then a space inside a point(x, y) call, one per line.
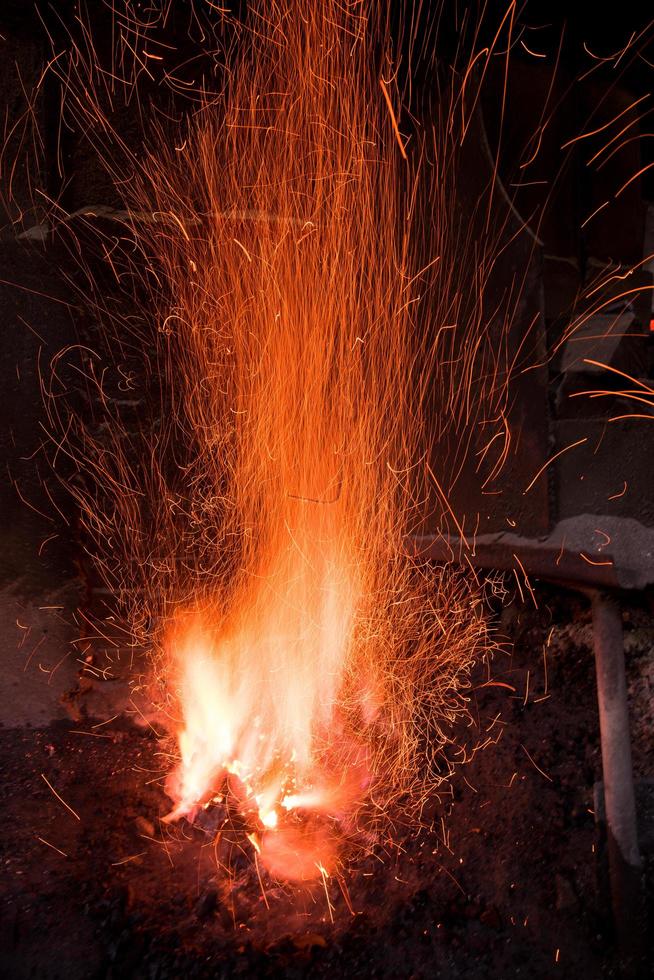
point(259, 692)
point(304, 285)
point(307, 666)
point(263, 689)
point(292, 332)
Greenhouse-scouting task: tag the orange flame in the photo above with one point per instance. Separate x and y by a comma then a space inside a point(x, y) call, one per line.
point(292, 327)
point(258, 517)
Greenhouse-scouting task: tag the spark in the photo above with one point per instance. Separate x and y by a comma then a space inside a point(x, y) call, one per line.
point(591, 561)
point(57, 849)
point(54, 791)
point(634, 177)
point(107, 721)
point(396, 130)
point(556, 455)
point(606, 125)
point(621, 493)
point(127, 860)
point(534, 54)
point(77, 731)
point(536, 767)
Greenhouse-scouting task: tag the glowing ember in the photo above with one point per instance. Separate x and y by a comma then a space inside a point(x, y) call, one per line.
point(262, 700)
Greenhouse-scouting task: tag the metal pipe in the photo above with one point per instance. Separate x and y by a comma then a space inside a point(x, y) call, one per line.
point(625, 864)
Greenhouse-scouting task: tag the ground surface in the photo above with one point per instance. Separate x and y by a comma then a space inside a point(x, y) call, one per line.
point(506, 887)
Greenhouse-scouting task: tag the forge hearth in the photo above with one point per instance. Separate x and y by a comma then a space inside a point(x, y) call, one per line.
point(327, 526)
point(515, 878)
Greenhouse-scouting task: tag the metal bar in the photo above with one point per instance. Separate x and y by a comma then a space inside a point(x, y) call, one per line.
point(625, 864)
point(554, 563)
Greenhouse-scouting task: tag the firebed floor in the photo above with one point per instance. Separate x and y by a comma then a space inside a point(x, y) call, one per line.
point(513, 891)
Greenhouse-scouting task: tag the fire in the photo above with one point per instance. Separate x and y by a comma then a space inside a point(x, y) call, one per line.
point(263, 688)
point(291, 321)
point(291, 331)
point(306, 666)
point(259, 697)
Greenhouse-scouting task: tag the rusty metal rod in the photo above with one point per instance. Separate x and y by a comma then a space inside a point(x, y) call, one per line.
point(625, 864)
point(620, 801)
